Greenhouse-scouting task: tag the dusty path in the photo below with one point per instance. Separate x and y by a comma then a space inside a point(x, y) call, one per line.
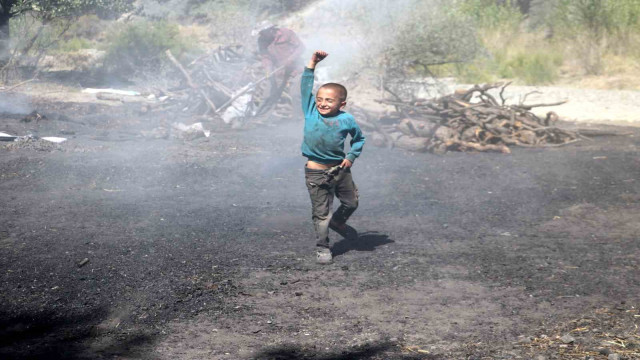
point(203, 249)
point(587, 107)
point(590, 106)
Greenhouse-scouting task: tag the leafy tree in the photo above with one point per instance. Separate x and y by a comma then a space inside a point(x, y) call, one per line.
point(48, 10)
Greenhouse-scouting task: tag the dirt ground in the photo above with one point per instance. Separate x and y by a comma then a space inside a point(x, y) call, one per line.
point(203, 249)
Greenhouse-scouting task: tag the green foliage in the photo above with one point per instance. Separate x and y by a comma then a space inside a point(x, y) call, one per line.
point(593, 16)
point(499, 25)
point(142, 45)
point(626, 15)
point(584, 31)
point(596, 27)
point(475, 72)
point(540, 14)
point(532, 68)
point(230, 22)
point(88, 27)
point(51, 9)
point(48, 11)
point(525, 67)
point(491, 14)
point(428, 37)
point(31, 37)
point(74, 44)
point(597, 18)
point(252, 7)
point(400, 38)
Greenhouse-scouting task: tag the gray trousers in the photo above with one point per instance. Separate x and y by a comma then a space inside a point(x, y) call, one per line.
point(322, 193)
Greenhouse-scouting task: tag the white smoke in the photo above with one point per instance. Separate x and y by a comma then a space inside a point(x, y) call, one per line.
point(14, 104)
point(353, 32)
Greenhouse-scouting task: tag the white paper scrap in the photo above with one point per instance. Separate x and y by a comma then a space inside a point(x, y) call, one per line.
point(54, 139)
point(110, 91)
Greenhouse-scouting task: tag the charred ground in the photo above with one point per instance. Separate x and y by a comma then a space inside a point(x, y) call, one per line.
point(203, 248)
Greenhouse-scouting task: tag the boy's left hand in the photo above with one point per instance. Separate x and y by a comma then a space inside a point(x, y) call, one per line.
point(346, 164)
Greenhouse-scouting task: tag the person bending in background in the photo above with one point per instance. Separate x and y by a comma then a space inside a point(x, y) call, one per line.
point(328, 169)
point(278, 47)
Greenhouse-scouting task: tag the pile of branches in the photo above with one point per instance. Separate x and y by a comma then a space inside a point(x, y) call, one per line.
point(468, 120)
point(222, 79)
point(210, 80)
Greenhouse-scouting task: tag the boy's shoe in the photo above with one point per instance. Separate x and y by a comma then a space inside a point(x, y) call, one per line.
point(344, 230)
point(323, 256)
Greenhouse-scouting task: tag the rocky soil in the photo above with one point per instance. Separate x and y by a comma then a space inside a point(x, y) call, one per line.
point(113, 245)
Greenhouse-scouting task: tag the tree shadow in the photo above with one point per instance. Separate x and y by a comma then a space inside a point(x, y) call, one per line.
point(383, 350)
point(47, 335)
point(367, 241)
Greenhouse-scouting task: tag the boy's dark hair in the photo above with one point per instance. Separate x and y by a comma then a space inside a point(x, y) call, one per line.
point(337, 88)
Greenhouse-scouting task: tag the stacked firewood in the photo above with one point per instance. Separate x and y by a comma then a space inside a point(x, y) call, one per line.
point(467, 120)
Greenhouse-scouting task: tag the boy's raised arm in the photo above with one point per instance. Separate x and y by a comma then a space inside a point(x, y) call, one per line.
point(306, 83)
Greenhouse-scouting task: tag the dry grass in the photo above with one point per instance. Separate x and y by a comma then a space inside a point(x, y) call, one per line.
point(199, 34)
point(601, 332)
point(531, 59)
point(511, 54)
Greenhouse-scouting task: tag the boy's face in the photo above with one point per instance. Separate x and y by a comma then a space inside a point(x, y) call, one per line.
point(328, 102)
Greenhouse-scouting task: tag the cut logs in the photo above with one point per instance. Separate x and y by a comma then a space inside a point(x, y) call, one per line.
point(467, 120)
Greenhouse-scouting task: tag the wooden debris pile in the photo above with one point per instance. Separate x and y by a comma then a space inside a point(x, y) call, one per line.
point(225, 83)
point(468, 120)
point(210, 79)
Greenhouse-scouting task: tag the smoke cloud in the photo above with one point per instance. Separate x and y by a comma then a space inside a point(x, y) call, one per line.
point(353, 32)
point(15, 104)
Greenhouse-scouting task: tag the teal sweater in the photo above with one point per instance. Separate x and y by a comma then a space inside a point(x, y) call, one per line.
point(324, 136)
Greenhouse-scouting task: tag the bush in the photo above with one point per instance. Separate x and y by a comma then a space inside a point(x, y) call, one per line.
point(88, 27)
point(477, 72)
point(581, 34)
point(429, 37)
point(403, 39)
point(532, 68)
point(74, 44)
point(522, 60)
point(597, 27)
point(141, 46)
point(492, 14)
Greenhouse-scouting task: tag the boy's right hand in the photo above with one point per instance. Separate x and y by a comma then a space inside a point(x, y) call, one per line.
point(317, 56)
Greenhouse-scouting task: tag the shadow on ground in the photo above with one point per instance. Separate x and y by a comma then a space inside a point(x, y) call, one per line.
point(48, 335)
point(385, 350)
point(367, 241)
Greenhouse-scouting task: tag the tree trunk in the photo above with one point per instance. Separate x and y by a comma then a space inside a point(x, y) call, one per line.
point(5, 34)
point(524, 5)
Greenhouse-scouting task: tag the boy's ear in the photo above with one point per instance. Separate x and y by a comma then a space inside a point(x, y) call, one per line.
point(342, 105)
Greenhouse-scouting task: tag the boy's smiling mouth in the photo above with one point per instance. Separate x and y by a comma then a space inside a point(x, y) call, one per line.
point(328, 102)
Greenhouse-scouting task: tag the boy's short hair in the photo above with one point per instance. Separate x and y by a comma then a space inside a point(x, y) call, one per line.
point(340, 89)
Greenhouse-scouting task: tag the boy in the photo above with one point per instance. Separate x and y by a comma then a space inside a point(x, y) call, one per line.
point(328, 170)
